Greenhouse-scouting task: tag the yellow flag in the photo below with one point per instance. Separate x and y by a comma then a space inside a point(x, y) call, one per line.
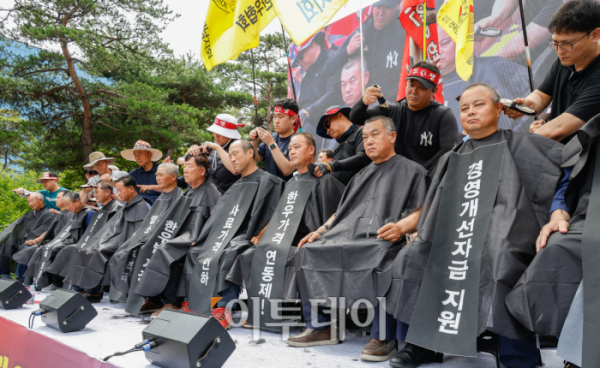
point(233, 26)
point(303, 18)
point(456, 18)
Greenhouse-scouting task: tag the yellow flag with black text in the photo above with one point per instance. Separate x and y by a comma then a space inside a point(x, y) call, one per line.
point(303, 18)
point(456, 18)
point(233, 26)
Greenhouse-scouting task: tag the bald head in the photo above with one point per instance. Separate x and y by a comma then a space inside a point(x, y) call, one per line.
point(479, 110)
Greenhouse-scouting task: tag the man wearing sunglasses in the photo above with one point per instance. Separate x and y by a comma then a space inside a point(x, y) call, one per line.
point(572, 86)
point(349, 156)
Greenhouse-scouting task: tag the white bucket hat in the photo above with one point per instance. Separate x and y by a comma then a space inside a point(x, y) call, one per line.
point(227, 126)
point(99, 156)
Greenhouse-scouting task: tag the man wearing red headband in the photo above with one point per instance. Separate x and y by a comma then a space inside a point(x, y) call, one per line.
point(274, 146)
point(426, 129)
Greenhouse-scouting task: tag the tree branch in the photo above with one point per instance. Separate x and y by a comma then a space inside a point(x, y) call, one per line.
point(62, 118)
point(106, 125)
point(106, 92)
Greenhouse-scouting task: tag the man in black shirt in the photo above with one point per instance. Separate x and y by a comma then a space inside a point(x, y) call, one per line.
point(274, 146)
point(221, 173)
point(573, 83)
point(426, 129)
point(349, 156)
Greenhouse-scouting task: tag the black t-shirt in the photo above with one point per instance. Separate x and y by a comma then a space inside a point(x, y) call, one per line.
point(423, 136)
point(265, 152)
point(218, 173)
point(349, 156)
point(576, 93)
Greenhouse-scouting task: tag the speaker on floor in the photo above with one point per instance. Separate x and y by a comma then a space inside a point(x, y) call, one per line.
point(67, 310)
point(187, 340)
point(13, 294)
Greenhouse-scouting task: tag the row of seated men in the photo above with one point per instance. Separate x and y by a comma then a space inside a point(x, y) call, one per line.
point(444, 242)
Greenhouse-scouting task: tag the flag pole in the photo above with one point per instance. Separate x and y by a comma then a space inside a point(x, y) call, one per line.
point(254, 86)
point(527, 53)
point(362, 62)
point(287, 56)
point(425, 31)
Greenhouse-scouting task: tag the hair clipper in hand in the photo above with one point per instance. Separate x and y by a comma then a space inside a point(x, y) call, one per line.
point(513, 105)
point(311, 168)
point(382, 102)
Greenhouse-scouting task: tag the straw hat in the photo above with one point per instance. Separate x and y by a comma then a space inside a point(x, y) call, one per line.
point(141, 146)
point(99, 156)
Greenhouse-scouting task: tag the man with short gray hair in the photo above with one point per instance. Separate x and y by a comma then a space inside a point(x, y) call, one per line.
point(380, 206)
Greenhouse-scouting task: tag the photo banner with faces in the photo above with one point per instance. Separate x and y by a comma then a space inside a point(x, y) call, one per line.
point(446, 312)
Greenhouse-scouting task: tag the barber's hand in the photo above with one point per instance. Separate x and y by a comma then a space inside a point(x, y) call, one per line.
point(390, 232)
point(309, 239)
point(322, 168)
point(19, 191)
point(208, 146)
point(54, 211)
point(514, 114)
point(253, 134)
point(105, 178)
point(549, 228)
point(115, 197)
point(535, 126)
point(354, 44)
point(167, 160)
point(181, 161)
point(194, 150)
point(145, 188)
point(371, 95)
point(87, 190)
point(265, 136)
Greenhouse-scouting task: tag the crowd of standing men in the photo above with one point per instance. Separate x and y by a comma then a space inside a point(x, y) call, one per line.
point(447, 236)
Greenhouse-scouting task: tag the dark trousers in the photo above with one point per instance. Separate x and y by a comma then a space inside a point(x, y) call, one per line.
point(519, 353)
point(393, 329)
point(169, 294)
point(94, 291)
point(55, 280)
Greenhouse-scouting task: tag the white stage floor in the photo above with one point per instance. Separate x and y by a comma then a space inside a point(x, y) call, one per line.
point(114, 330)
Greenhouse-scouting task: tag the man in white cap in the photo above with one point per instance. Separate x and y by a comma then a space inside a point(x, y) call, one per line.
point(145, 174)
point(225, 131)
point(100, 163)
point(50, 191)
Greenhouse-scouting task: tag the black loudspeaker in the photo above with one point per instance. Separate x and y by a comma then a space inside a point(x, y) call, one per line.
point(187, 340)
point(13, 294)
point(67, 310)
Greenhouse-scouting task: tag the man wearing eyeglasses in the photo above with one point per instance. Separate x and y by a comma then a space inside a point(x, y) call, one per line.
point(572, 86)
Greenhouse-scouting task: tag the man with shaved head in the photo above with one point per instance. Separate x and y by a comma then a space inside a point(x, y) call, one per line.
point(488, 199)
point(238, 222)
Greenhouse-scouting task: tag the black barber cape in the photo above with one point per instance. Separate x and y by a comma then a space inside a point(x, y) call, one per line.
point(66, 256)
point(266, 195)
point(58, 222)
point(201, 202)
point(530, 171)
point(89, 268)
point(27, 227)
point(45, 254)
point(348, 260)
point(543, 295)
point(322, 202)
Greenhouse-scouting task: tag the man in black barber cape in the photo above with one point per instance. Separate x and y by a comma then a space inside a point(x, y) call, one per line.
point(238, 222)
point(350, 256)
point(451, 282)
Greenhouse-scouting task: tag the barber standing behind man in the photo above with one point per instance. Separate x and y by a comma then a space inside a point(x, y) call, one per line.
point(426, 129)
point(572, 85)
